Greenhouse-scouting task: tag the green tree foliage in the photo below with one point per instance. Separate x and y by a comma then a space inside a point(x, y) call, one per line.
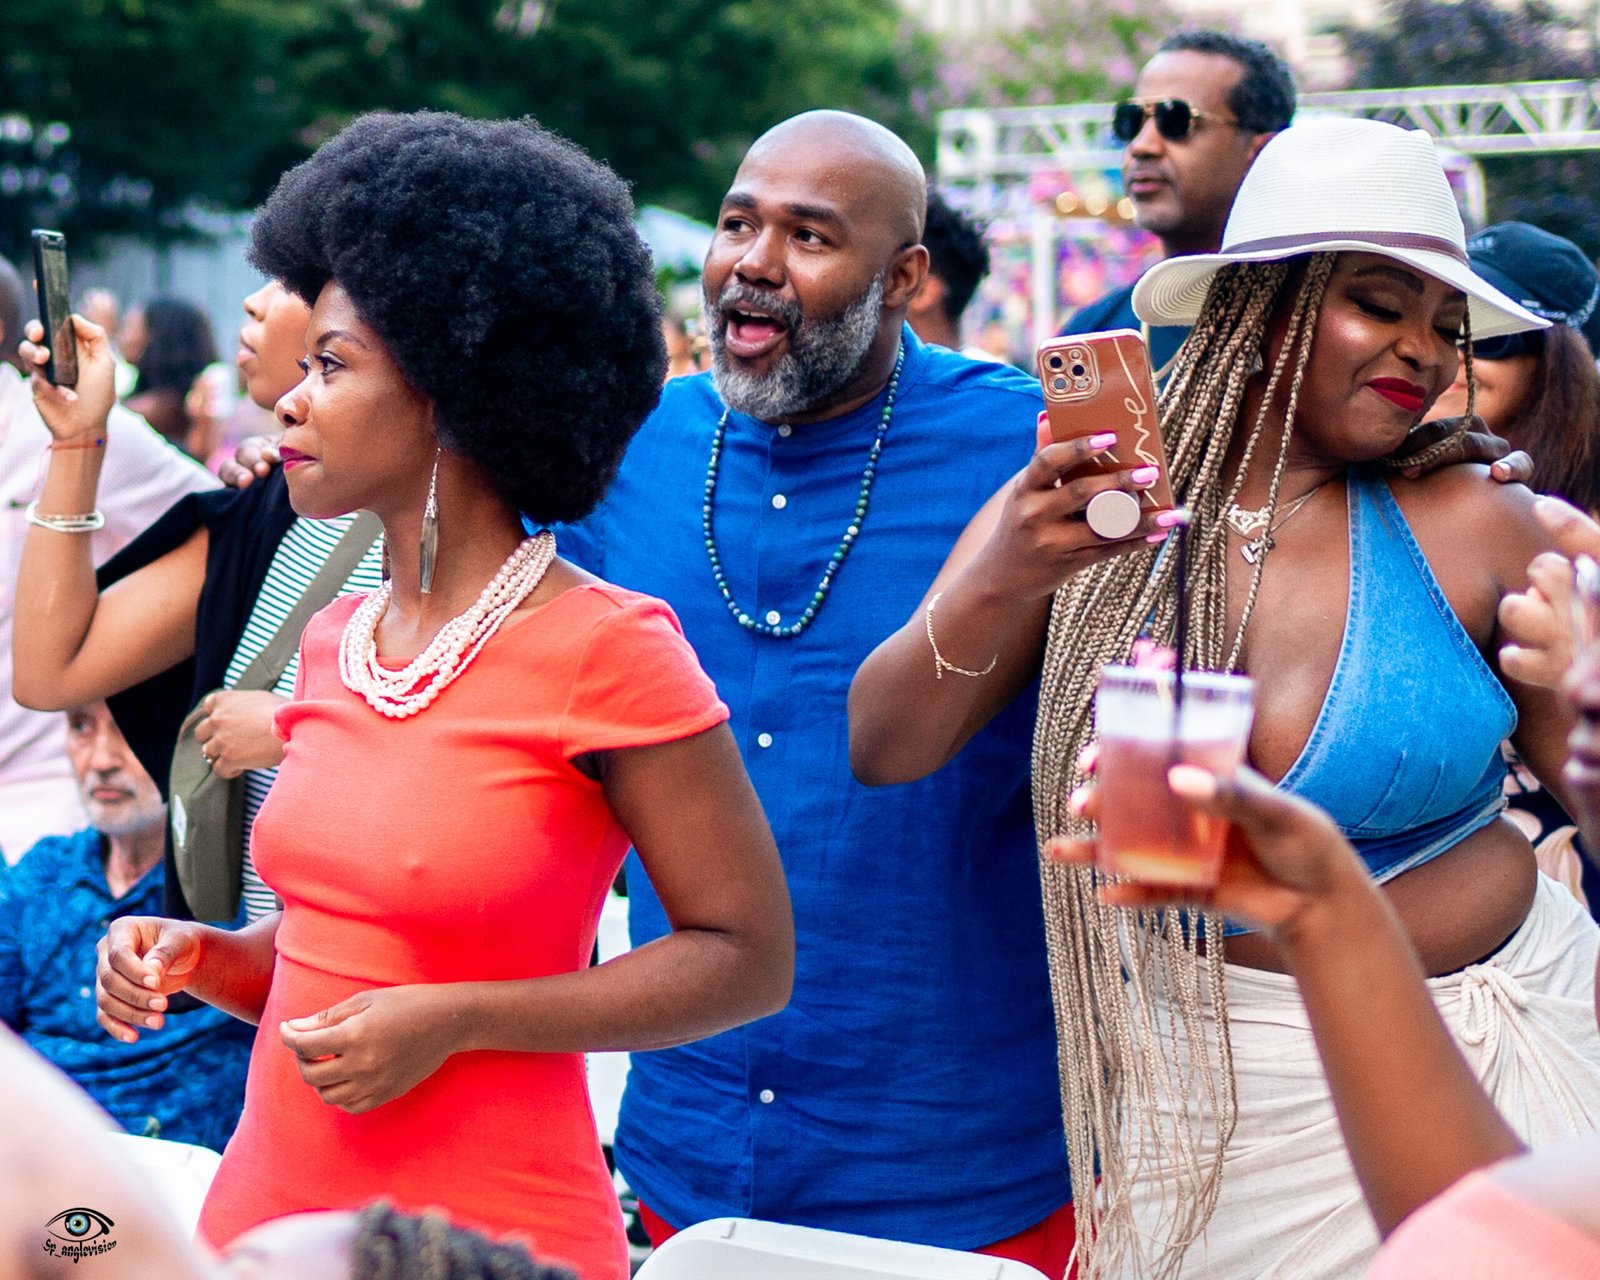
point(165, 100)
point(1431, 42)
point(172, 101)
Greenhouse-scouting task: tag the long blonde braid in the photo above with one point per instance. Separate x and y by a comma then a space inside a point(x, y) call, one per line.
point(1111, 970)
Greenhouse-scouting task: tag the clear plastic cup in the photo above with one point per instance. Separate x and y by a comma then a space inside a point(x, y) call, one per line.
point(1146, 833)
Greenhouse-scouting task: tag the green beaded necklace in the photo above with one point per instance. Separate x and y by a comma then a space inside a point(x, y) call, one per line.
point(774, 625)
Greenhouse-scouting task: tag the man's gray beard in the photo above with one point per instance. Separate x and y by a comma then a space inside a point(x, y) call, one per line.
point(823, 356)
point(137, 816)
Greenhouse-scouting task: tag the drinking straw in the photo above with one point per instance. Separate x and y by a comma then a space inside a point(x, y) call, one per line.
point(1179, 659)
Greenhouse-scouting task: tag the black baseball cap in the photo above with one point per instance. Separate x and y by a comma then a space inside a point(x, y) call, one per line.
point(1547, 274)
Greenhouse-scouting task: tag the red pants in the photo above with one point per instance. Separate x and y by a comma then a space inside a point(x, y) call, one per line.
point(1046, 1246)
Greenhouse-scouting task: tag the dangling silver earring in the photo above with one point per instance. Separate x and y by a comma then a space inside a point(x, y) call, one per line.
point(430, 528)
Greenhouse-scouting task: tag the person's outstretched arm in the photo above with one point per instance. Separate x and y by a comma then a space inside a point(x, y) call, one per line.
point(72, 644)
point(977, 637)
point(1413, 1114)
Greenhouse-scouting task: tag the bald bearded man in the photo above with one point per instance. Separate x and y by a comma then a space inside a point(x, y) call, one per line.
point(792, 505)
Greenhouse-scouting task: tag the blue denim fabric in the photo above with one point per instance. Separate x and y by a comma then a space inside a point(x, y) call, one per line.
point(1405, 753)
point(184, 1082)
point(909, 1089)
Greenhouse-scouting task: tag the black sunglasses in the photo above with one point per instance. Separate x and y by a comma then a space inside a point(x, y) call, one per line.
point(1175, 118)
point(1508, 345)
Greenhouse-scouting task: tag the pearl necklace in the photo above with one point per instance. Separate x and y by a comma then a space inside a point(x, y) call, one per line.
point(453, 647)
point(774, 624)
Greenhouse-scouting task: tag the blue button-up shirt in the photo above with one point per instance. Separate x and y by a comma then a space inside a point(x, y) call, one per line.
point(909, 1089)
point(184, 1082)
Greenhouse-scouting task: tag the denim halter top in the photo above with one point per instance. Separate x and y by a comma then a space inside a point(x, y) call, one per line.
point(1405, 753)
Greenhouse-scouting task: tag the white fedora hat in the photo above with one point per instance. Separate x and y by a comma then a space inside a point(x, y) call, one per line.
point(1330, 186)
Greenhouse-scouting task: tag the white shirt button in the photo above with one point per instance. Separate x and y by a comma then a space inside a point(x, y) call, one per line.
point(773, 617)
point(763, 739)
point(786, 430)
point(766, 1095)
point(84, 993)
point(779, 502)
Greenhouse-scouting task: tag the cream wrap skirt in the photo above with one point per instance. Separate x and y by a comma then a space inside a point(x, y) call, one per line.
point(1290, 1208)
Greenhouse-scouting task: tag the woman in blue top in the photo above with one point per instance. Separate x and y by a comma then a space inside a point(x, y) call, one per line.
point(1367, 613)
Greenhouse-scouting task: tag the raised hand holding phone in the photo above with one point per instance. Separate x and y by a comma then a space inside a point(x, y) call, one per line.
point(74, 415)
point(1100, 383)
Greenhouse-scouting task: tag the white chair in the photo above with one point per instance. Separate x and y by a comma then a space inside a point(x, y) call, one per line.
point(608, 1072)
point(180, 1173)
point(744, 1249)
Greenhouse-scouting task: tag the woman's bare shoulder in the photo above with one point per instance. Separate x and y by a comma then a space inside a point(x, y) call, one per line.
point(1462, 509)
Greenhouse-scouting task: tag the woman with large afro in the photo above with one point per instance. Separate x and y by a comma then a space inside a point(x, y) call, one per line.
point(473, 747)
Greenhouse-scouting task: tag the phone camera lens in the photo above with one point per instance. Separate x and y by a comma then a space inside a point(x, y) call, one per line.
point(1078, 371)
point(1054, 362)
point(1058, 383)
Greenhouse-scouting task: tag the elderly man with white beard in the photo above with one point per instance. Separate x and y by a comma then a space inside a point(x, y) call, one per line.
point(792, 506)
point(184, 1082)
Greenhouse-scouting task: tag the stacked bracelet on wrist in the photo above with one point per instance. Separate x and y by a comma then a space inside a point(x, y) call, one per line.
point(940, 666)
point(97, 443)
point(66, 524)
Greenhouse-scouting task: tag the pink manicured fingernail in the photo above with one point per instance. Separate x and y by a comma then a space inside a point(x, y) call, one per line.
point(1159, 537)
point(1103, 441)
point(1144, 475)
point(1078, 801)
point(1172, 519)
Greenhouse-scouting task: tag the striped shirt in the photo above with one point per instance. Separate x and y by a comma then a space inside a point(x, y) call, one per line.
point(303, 551)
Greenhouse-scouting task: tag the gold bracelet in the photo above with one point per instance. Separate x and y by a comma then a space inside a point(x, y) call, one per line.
point(940, 666)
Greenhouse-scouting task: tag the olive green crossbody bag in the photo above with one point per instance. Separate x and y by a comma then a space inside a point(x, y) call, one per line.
point(206, 811)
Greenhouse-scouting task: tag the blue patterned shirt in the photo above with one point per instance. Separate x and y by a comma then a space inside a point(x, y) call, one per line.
point(184, 1082)
point(909, 1089)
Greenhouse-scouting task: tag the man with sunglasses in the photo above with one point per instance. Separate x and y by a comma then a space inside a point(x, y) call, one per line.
point(1203, 107)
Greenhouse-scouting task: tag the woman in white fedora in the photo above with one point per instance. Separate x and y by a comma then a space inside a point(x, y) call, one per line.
point(1365, 607)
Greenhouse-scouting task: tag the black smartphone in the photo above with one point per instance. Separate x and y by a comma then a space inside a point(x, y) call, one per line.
point(55, 307)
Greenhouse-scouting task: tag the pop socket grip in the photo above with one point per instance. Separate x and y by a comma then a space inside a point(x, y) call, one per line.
point(1113, 514)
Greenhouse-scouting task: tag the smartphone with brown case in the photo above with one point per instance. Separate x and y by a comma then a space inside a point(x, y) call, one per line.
point(1101, 382)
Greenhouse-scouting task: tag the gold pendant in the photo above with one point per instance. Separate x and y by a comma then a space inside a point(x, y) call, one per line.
point(1246, 523)
point(1253, 551)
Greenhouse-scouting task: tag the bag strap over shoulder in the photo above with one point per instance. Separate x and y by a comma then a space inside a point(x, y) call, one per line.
point(268, 665)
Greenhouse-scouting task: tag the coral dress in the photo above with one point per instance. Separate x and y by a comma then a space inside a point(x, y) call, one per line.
point(460, 845)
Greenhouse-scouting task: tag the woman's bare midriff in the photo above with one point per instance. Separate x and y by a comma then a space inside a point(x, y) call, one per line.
point(1458, 908)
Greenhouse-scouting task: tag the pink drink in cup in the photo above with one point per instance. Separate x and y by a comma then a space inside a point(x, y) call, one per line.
point(1146, 832)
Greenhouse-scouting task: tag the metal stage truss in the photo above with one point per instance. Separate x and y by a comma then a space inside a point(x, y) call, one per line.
point(987, 151)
